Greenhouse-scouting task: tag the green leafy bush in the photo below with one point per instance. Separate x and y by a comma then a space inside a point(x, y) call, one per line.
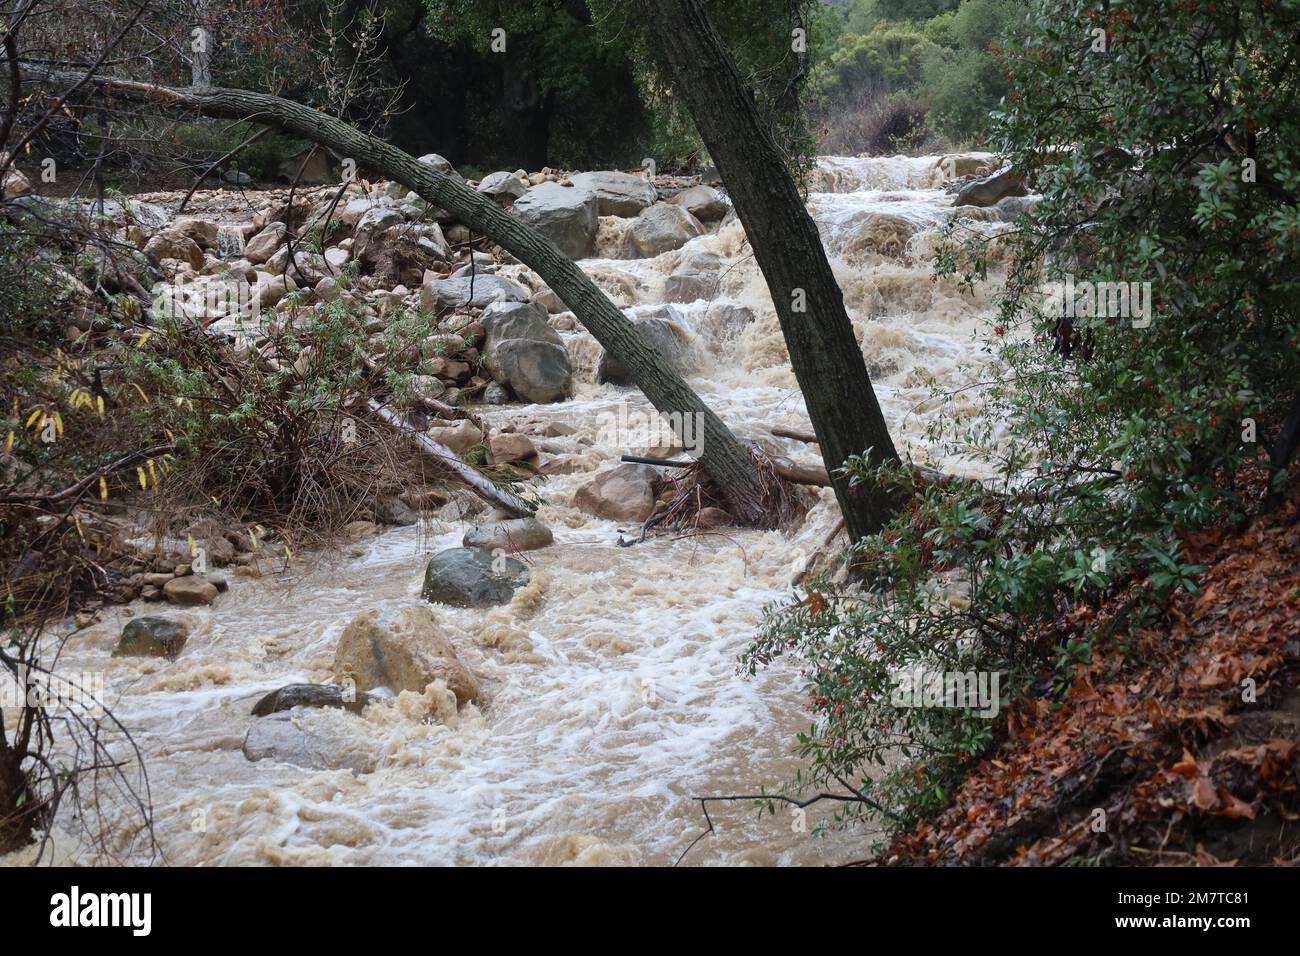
point(1169, 158)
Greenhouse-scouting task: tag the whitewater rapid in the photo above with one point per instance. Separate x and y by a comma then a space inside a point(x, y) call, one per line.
point(610, 686)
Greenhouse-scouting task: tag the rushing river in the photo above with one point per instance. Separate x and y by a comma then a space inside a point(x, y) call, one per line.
point(611, 694)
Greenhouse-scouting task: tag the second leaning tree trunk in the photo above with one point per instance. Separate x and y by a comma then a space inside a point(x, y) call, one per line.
point(824, 352)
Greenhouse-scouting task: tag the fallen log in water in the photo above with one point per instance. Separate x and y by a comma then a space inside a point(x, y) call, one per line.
point(451, 463)
point(801, 474)
point(798, 434)
point(816, 474)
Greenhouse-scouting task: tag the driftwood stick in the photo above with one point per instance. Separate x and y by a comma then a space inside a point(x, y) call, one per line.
point(663, 462)
point(801, 474)
point(798, 434)
point(451, 463)
point(812, 475)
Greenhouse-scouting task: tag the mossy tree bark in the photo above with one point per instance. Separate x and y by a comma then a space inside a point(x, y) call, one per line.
point(824, 352)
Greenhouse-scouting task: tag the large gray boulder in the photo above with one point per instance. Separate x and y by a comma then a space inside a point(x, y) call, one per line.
point(477, 291)
point(661, 332)
point(440, 164)
point(516, 320)
point(987, 191)
point(502, 186)
point(468, 577)
point(510, 536)
point(617, 194)
point(522, 351)
point(662, 228)
point(535, 371)
point(564, 214)
point(703, 202)
point(697, 278)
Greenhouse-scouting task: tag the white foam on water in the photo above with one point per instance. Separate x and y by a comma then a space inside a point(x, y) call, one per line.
point(610, 691)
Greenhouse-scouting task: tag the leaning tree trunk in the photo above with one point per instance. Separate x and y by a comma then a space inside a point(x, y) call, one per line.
point(824, 352)
point(725, 459)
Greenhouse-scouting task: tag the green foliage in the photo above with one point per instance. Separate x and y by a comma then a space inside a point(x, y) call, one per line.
point(29, 307)
point(208, 140)
point(960, 75)
point(1110, 442)
point(937, 54)
point(885, 60)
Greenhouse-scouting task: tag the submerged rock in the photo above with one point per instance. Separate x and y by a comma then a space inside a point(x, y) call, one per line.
point(152, 636)
point(468, 577)
point(280, 737)
point(661, 333)
point(311, 695)
point(564, 214)
point(703, 202)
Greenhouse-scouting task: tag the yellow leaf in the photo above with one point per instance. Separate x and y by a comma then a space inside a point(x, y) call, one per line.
point(103, 489)
point(140, 390)
point(9, 442)
point(152, 474)
point(33, 416)
point(99, 404)
point(58, 422)
point(144, 337)
point(139, 473)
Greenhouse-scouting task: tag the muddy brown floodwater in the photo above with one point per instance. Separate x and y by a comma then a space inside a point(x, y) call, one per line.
point(611, 694)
